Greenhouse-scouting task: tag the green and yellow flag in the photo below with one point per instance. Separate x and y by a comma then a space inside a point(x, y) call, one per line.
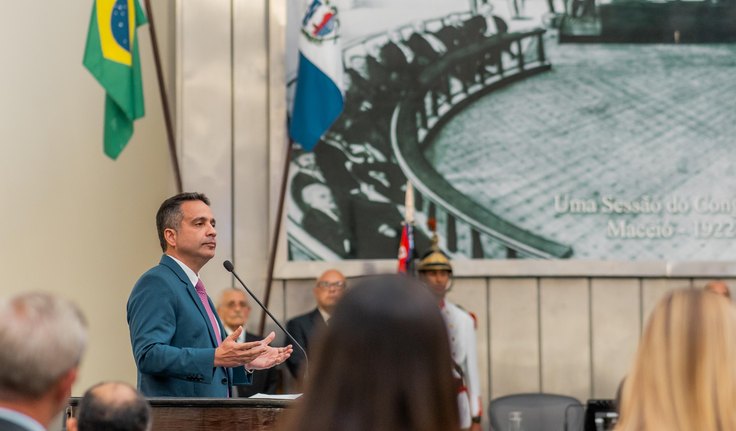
point(112, 58)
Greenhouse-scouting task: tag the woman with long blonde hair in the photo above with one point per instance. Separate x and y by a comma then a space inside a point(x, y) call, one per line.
point(684, 374)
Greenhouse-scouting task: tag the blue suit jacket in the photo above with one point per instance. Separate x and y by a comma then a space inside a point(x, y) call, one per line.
point(173, 340)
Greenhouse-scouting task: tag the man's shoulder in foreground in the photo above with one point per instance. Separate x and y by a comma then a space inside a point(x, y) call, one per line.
point(11, 420)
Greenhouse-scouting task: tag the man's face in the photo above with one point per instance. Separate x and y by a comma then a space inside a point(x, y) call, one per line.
point(233, 309)
point(437, 280)
point(306, 161)
point(194, 241)
point(319, 197)
point(329, 289)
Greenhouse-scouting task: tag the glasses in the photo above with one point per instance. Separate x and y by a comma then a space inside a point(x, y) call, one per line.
point(233, 304)
point(326, 285)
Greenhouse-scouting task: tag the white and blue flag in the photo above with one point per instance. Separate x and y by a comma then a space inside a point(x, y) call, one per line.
point(319, 87)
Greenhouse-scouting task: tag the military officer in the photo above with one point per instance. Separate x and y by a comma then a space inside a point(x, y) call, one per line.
point(436, 272)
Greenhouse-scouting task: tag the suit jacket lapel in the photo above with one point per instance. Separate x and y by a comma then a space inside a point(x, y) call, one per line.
point(169, 263)
point(317, 320)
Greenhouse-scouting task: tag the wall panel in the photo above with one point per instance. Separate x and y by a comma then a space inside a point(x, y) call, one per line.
point(299, 298)
point(565, 334)
point(615, 327)
point(514, 336)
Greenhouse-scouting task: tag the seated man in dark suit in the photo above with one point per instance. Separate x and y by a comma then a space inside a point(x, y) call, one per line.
point(427, 50)
point(327, 291)
point(233, 309)
point(323, 219)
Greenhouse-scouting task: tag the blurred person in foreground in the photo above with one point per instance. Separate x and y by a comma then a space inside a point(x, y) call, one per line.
point(42, 339)
point(718, 287)
point(112, 406)
point(234, 310)
point(383, 363)
point(684, 374)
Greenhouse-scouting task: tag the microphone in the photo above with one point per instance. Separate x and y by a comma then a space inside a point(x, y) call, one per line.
point(231, 269)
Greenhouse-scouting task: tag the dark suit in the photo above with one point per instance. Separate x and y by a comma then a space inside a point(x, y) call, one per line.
point(332, 234)
point(7, 425)
point(303, 328)
point(264, 381)
point(370, 240)
point(172, 337)
point(452, 38)
point(424, 56)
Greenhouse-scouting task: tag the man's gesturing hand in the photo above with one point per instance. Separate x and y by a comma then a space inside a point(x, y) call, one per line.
point(271, 357)
point(234, 354)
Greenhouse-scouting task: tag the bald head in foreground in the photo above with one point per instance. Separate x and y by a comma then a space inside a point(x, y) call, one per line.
point(112, 406)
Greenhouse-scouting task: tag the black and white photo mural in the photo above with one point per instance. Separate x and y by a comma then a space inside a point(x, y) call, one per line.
point(555, 129)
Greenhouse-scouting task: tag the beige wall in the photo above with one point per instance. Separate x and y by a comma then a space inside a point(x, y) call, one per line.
point(78, 223)
point(81, 225)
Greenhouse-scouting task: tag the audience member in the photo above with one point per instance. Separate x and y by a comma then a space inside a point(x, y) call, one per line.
point(234, 309)
point(111, 406)
point(435, 271)
point(327, 292)
point(684, 374)
point(382, 364)
point(42, 339)
point(719, 287)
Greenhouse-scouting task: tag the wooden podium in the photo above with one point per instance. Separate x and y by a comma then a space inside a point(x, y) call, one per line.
point(209, 414)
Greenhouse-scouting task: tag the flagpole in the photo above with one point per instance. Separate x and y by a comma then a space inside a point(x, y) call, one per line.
point(304, 122)
point(164, 98)
point(276, 233)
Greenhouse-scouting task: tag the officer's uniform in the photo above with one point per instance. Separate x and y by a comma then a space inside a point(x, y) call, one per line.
point(461, 332)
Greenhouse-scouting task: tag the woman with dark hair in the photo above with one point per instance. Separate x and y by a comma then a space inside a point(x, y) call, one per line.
point(382, 364)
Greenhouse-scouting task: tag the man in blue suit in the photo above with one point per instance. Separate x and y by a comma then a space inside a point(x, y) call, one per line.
point(178, 340)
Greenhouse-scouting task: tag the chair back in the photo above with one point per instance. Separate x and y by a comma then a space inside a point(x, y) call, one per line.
point(536, 412)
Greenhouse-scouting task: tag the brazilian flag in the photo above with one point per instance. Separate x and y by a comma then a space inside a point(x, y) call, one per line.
point(112, 58)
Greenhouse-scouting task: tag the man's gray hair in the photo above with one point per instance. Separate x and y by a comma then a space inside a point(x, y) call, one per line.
point(42, 337)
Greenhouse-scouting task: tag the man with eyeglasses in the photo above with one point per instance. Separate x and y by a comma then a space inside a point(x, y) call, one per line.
point(327, 292)
point(234, 309)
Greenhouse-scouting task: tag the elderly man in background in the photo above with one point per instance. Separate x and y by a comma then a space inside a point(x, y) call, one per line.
point(327, 292)
point(42, 339)
point(112, 406)
point(234, 310)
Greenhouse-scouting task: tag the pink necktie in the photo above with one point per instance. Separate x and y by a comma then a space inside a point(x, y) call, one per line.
point(202, 293)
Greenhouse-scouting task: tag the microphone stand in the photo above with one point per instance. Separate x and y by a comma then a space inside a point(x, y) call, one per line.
point(231, 269)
